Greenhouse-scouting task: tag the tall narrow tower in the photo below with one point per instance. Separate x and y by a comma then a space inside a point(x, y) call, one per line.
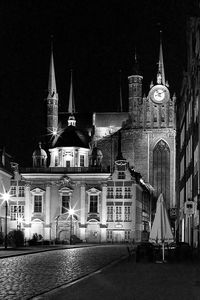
point(52, 100)
point(135, 94)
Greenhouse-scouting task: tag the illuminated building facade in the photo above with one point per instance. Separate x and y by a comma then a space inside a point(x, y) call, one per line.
point(188, 141)
point(148, 133)
point(109, 206)
point(5, 178)
point(105, 173)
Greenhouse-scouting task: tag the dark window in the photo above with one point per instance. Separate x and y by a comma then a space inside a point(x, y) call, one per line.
point(65, 203)
point(93, 204)
point(121, 175)
point(37, 204)
point(37, 162)
point(67, 163)
point(56, 161)
point(81, 160)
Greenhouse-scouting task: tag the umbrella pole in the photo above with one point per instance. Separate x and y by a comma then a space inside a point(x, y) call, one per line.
point(163, 252)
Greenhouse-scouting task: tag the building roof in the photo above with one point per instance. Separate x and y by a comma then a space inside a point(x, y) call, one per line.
point(109, 119)
point(72, 137)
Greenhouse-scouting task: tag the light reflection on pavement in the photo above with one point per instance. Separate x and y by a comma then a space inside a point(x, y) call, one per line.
point(23, 277)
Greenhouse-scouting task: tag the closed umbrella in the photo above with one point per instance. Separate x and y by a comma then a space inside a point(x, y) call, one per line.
point(161, 232)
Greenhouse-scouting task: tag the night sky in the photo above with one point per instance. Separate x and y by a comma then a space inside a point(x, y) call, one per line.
point(96, 39)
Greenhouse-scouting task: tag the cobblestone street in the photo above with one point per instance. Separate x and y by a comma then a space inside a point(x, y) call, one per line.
point(26, 276)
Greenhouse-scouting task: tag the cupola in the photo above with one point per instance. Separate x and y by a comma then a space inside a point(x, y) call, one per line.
point(39, 157)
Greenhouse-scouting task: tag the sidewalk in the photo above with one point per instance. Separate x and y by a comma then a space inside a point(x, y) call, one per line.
point(10, 252)
point(128, 280)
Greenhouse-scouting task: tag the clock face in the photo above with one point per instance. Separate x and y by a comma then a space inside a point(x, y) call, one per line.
point(159, 94)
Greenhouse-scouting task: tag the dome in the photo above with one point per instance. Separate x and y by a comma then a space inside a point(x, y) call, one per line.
point(39, 157)
point(72, 137)
point(39, 152)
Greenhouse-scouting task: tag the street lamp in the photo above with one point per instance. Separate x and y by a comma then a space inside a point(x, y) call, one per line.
point(71, 212)
point(6, 197)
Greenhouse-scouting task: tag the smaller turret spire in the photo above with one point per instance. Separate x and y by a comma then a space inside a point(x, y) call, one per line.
point(161, 71)
point(52, 80)
point(71, 107)
point(120, 91)
point(136, 66)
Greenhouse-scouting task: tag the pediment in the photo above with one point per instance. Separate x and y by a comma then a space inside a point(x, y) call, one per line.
point(66, 190)
point(37, 191)
point(93, 190)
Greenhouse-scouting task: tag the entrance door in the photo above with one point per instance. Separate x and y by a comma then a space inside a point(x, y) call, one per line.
point(93, 233)
point(117, 235)
point(64, 235)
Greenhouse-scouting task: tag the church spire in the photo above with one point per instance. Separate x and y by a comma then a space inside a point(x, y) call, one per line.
point(52, 99)
point(71, 107)
point(136, 66)
point(120, 91)
point(52, 80)
point(161, 71)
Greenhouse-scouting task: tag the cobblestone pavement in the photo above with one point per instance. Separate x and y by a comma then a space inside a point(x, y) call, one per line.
point(23, 277)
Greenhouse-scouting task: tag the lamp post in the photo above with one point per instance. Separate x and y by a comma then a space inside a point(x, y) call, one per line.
point(71, 213)
point(6, 198)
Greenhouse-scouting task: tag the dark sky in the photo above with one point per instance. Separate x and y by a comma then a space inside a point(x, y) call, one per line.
point(96, 39)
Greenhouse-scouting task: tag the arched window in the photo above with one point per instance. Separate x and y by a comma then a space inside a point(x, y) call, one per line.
point(161, 170)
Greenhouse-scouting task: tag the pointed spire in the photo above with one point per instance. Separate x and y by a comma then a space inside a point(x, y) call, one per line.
point(71, 107)
point(161, 71)
point(120, 91)
point(52, 80)
point(136, 67)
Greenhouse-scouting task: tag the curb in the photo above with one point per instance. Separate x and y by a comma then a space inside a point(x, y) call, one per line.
point(42, 250)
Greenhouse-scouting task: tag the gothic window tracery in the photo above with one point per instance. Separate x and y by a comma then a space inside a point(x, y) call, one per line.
point(161, 169)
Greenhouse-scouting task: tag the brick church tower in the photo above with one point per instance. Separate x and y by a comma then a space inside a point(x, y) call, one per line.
point(147, 133)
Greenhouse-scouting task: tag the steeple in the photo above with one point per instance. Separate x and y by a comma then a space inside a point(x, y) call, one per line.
point(161, 71)
point(52, 100)
point(71, 107)
point(52, 92)
point(120, 91)
point(135, 94)
point(136, 66)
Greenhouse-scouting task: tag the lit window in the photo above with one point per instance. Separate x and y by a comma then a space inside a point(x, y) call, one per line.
point(109, 234)
point(37, 204)
point(127, 234)
point(109, 192)
point(118, 193)
point(121, 175)
point(127, 213)
point(81, 160)
point(65, 203)
point(16, 212)
point(93, 203)
point(109, 213)
point(127, 192)
point(118, 216)
point(13, 191)
point(21, 191)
